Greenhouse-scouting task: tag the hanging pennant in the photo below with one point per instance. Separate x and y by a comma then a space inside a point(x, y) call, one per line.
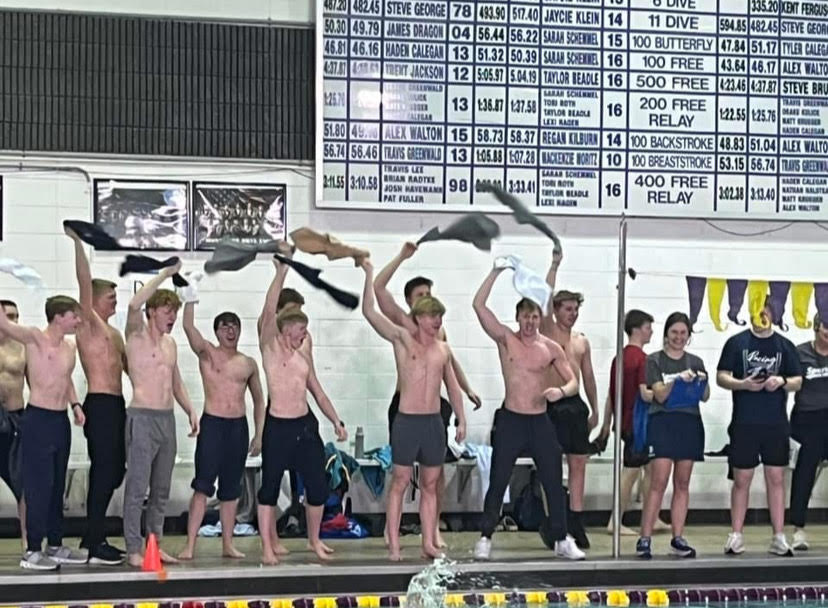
point(778, 295)
point(715, 295)
point(735, 298)
point(695, 291)
point(757, 292)
point(821, 299)
point(801, 299)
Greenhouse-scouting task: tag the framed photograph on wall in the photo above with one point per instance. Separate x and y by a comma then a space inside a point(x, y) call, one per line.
point(144, 214)
point(249, 213)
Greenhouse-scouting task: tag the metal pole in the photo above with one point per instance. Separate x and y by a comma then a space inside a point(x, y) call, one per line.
point(619, 389)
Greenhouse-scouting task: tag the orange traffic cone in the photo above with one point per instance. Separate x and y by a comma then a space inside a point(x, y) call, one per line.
point(152, 557)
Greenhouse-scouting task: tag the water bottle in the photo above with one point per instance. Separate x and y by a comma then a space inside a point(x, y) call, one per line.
point(359, 444)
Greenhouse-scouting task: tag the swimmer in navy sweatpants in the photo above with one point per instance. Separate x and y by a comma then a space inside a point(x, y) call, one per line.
point(223, 441)
point(291, 438)
point(522, 424)
point(50, 359)
point(417, 433)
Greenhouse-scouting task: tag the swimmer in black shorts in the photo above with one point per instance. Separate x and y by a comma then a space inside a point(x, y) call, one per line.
point(573, 420)
point(418, 432)
point(413, 291)
point(291, 435)
point(223, 441)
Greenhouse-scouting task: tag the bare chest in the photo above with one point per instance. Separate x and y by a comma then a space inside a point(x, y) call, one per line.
point(146, 354)
point(12, 359)
point(56, 360)
point(104, 343)
point(218, 369)
point(532, 358)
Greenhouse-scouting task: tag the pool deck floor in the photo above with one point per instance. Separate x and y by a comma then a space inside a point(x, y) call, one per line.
point(519, 561)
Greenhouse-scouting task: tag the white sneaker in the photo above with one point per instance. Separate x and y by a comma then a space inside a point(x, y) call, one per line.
point(735, 544)
point(567, 549)
point(37, 560)
point(800, 541)
point(779, 546)
point(65, 555)
point(483, 548)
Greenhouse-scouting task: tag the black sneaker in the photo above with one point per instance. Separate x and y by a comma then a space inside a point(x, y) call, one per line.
point(106, 555)
point(114, 548)
point(643, 548)
point(680, 548)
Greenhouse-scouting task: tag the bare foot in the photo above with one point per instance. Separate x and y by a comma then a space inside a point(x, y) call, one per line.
point(430, 552)
point(321, 553)
point(269, 558)
point(166, 558)
point(231, 551)
point(661, 526)
point(394, 554)
point(625, 531)
point(323, 546)
point(136, 560)
point(439, 541)
point(186, 554)
point(280, 549)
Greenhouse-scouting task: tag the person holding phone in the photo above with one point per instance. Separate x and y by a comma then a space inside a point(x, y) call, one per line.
point(760, 368)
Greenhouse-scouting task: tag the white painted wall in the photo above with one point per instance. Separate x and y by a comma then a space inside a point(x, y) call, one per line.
point(354, 365)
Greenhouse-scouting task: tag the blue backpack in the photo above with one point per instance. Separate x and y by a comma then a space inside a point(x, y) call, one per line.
point(641, 416)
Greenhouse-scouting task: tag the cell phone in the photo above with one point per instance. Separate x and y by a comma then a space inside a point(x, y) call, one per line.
point(761, 374)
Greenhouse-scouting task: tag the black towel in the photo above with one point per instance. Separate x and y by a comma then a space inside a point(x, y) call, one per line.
point(92, 235)
point(474, 228)
point(311, 275)
point(519, 210)
point(143, 264)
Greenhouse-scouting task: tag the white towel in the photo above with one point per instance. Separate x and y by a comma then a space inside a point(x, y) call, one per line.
point(26, 274)
point(190, 292)
point(526, 281)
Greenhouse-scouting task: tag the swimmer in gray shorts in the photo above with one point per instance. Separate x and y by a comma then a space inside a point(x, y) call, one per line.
point(418, 438)
point(418, 433)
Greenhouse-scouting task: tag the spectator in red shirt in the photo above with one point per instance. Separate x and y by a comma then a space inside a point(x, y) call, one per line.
point(639, 330)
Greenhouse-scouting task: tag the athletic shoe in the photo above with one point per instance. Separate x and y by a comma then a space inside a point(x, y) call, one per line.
point(37, 560)
point(643, 547)
point(105, 555)
point(800, 541)
point(735, 544)
point(779, 546)
point(568, 549)
point(680, 548)
point(65, 555)
point(483, 548)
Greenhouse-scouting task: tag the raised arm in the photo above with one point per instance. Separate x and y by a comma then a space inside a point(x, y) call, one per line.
point(254, 385)
point(381, 325)
point(455, 396)
point(83, 275)
point(552, 274)
point(387, 305)
point(197, 342)
point(135, 320)
point(493, 328)
point(267, 320)
point(19, 333)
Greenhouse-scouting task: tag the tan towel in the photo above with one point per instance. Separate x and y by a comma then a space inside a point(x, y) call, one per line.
point(310, 241)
